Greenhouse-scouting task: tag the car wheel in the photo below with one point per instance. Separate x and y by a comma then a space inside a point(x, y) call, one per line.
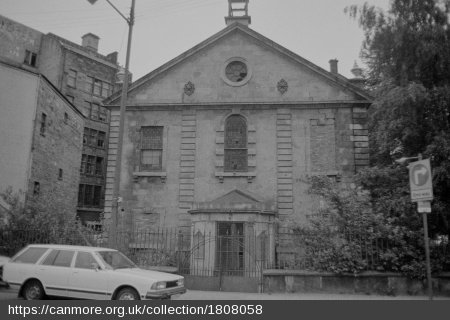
point(33, 290)
point(127, 294)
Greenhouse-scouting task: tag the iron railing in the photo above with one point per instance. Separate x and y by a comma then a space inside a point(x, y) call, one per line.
point(209, 254)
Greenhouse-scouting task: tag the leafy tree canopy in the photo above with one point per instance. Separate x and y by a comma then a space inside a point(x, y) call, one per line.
point(406, 50)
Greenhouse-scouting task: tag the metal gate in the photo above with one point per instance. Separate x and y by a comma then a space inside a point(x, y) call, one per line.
point(231, 259)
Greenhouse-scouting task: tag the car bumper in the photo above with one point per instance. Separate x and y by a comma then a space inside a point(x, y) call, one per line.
point(164, 294)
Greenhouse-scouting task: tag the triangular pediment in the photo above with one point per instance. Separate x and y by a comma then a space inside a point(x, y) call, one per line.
point(235, 200)
point(236, 197)
point(201, 70)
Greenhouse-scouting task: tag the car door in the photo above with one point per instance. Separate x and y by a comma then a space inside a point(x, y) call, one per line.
point(88, 280)
point(54, 272)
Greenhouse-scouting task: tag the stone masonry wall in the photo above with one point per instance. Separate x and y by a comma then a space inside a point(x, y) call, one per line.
point(58, 147)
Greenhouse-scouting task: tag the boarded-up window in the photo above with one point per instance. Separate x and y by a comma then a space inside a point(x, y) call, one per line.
point(151, 148)
point(235, 152)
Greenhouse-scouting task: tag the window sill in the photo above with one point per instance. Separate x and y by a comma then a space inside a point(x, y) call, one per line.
point(249, 175)
point(143, 174)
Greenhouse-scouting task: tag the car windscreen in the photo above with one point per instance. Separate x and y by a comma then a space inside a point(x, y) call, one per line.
point(115, 259)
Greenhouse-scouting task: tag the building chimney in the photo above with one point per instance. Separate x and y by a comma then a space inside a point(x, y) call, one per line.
point(238, 12)
point(112, 56)
point(334, 66)
point(90, 42)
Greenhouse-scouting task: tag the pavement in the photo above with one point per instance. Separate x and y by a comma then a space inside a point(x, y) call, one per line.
point(218, 295)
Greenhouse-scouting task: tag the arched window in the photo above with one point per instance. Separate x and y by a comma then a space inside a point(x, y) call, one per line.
point(235, 152)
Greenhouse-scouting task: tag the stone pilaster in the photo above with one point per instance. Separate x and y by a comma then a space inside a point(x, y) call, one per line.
point(285, 197)
point(187, 159)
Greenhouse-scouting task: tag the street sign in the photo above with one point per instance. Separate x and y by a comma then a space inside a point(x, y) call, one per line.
point(424, 206)
point(420, 181)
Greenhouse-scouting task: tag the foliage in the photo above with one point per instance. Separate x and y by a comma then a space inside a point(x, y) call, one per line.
point(351, 232)
point(43, 214)
point(406, 51)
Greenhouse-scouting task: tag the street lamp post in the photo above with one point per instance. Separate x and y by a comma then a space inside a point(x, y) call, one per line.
point(116, 187)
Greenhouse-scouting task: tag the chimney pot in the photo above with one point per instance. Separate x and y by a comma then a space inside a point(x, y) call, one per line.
point(334, 66)
point(90, 41)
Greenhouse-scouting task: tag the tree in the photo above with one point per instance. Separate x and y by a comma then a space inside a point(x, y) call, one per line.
point(406, 50)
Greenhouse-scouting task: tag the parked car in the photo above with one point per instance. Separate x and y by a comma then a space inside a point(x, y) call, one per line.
point(85, 273)
point(3, 260)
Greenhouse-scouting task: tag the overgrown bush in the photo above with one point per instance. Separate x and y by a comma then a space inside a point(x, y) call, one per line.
point(350, 233)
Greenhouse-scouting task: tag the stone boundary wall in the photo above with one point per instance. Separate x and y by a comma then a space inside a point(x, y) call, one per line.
point(376, 283)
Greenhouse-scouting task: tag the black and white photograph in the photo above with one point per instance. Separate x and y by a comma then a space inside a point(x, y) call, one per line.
point(241, 151)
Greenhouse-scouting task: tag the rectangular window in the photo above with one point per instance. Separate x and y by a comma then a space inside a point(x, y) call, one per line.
point(89, 195)
point(102, 114)
point(99, 166)
point(30, 58)
point(89, 84)
point(106, 89)
point(43, 124)
point(37, 188)
point(81, 195)
point(86, 136)
point(97, 87)
point(151, 148)
point(83, 163)
point(101, 139)
point(90, 166)
point(72, 79)
point(94, 111)
point(97, 196)
point(92, 137)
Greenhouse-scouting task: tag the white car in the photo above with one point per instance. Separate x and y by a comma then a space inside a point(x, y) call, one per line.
point(3, 260)
point(85, 273)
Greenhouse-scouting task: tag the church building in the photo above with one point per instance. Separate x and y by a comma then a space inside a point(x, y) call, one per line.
point(222, 138)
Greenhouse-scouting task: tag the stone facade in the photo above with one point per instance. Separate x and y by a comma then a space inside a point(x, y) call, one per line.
point(41, 150)
point(56, 154)
point(71, 68)
point(300, 120)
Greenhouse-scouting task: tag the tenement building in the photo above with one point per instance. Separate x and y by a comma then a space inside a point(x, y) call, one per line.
point(222, 138)
point(40, 140)
point(85, 77)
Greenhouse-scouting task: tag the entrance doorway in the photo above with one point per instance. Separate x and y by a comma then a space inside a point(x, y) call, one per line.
point(230, 248)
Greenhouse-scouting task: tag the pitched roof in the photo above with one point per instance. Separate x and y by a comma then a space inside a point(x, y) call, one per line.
point(238, 27)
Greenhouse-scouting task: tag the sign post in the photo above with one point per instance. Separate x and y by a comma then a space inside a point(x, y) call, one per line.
point(420, 181)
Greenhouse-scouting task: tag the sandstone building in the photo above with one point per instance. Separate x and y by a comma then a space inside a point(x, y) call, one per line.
point(40, 139)
point(85, 78)
point(222, 138)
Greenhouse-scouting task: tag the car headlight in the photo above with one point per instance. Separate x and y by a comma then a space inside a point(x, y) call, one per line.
point(180, 282)
point(159, 285)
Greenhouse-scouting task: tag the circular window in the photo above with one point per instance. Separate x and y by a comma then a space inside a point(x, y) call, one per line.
point(236, 72)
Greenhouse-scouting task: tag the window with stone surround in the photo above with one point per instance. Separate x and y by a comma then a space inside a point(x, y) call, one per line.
point(30, 58)
point(89, 195)
point(235, 144)
point(151, 148)
point(72, 78)
point(97, 87)
point(94, 138)
point(43, 124)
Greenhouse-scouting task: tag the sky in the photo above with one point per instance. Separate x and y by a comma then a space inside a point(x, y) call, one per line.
point(317, 30)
